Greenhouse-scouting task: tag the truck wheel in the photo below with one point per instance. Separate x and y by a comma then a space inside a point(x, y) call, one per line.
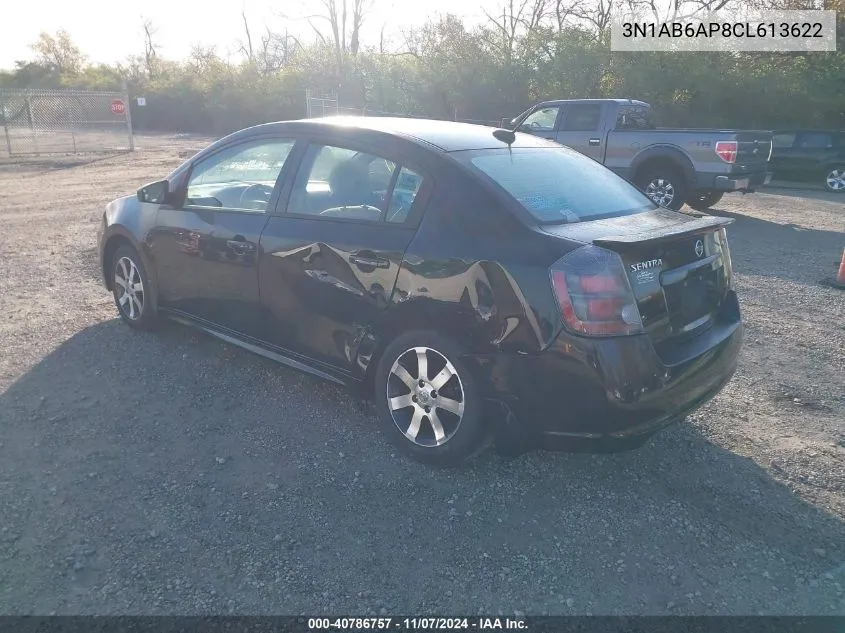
point(834, 180)
point(702, 201)
point(665, 186)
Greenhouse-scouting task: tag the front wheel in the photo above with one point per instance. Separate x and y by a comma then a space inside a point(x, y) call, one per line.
point(132, 289)
point(427, 400)
point(665, 186)
point(703, 201)
point(835, 180)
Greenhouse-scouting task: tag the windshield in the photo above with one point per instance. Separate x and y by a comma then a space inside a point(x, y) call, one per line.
point(557, 184)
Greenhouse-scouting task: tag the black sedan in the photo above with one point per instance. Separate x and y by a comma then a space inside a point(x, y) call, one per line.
point(477, 284)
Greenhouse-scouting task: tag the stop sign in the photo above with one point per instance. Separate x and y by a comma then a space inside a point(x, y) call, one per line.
point(118, 106)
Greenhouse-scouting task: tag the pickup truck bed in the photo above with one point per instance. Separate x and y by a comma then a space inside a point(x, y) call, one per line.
point(672, 166)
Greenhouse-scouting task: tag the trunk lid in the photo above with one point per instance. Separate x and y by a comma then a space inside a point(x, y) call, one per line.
point(678, 265)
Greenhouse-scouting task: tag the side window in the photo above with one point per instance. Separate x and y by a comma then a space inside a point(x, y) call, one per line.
point(340, 183)
point(582, 117)
point(783, 141)
point(542, 119)
point(241, 177)
point(404, 193)
point(634, 118)
point(815, 140)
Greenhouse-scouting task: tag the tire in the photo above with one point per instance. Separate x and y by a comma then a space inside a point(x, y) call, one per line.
point(462, 433)
point(834, 179)
point(135, 308)
point(665, 186)
point(702, 201)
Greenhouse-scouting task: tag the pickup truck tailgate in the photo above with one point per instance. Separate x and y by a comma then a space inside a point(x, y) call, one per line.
point(753, 150)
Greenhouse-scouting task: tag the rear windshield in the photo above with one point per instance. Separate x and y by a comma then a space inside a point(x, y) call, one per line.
point(557, 184)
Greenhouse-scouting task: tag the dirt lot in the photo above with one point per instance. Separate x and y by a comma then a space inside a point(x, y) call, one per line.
point(169, 473)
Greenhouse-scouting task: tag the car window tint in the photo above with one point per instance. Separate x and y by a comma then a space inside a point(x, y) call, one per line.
point(241, 177)
point(815, 140)
point(542, 119)
point(381, 173)
point(404, 193)
point(581, 117)
point(558, 184)
point(634, 118)
point(340, 183)
point(783, 140)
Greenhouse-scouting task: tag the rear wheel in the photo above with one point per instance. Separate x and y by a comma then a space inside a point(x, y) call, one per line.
point(131, 289)
point(704, 200)
point(834, 180)
point(427, 400)
point(665, 186)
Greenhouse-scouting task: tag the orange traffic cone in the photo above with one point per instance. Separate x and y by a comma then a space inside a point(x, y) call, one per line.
point(839, 281)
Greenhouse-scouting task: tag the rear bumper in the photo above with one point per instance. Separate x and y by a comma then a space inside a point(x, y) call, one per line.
point(611, 389)
point(734, 182)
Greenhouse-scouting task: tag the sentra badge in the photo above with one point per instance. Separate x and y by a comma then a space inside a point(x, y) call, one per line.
point(651, 263)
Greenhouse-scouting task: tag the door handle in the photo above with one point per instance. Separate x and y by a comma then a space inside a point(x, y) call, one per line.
point(369, 262)
point(595, 141)
point(240, 245)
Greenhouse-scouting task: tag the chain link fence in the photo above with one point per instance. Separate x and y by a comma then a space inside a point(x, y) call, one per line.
point(48, 122)
point(328, 105)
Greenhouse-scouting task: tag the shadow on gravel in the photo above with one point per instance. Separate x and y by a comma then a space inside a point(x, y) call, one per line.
point(169, 473)
point(56, 163)
point(802, 190)
point(760, 247)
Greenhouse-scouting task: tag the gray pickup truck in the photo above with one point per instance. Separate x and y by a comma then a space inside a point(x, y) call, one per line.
point(672, 166)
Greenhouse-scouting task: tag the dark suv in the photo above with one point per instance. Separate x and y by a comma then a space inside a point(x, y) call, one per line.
point(810, 155)
point(476, 283)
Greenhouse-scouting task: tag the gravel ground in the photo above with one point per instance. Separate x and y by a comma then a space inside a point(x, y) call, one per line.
point(169, 473)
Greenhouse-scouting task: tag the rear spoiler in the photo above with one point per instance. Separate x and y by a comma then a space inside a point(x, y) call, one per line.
point(699, 225)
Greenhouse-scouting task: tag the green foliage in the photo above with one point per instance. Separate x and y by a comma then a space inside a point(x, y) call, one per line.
point(447, 69)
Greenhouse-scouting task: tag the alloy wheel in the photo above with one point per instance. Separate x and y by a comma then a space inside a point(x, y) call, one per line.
point(425, 396)
point(661, 191)
point(127, 278)
point(836, 180)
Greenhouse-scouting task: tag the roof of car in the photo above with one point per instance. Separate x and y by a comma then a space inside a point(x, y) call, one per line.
point(795, 130)
point(618, 101)
point(445, 136)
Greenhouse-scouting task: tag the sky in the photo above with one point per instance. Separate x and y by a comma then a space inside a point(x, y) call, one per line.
point(109, 31)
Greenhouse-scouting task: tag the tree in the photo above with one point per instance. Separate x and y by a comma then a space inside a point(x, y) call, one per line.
point(150, 48)
point(58, 53)
point(515, 20)
point(344, 19)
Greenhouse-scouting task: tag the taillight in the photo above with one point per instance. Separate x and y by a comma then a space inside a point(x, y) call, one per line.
point(726, 257)
point(594, 295)
point(726, 150)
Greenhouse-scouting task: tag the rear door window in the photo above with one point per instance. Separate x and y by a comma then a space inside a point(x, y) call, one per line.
point(634, 118)
point(581, 117)
point(335, 182)
point(815, 140)
point(341, 183)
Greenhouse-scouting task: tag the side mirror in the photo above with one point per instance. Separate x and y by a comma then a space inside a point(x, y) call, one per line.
point(155, 192)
